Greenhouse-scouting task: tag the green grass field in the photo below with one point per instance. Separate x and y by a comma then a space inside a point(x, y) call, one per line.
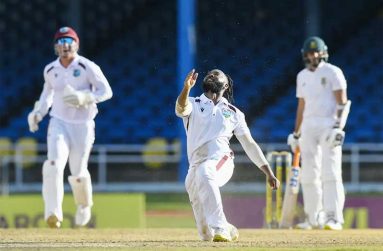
point(170, 226)
point(168, 211)
point(186, 239)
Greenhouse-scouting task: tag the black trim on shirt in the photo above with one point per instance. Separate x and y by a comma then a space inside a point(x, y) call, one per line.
point(232, 107)
point(82, 65)
point(50, 69)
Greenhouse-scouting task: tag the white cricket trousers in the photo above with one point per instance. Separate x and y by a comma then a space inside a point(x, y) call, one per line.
point(202, 184)
point(65, 140)
point(321, 175)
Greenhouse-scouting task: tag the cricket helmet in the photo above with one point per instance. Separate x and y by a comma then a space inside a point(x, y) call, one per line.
point(312, 45)
point(67, 32)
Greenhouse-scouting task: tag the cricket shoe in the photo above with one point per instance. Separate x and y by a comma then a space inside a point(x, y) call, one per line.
point(234, 234)
point(83, 215)
point(304, 226)
point(221, 235)
point(206, 234)
point(332, 224)
point(53, 221)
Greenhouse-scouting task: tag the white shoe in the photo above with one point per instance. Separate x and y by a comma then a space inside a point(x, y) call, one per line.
point(83, 215)
point(53, 221)
point(234, 234)
point(206, 234)
point(304, 226)
point(221, 235)
point(307, 226)
point(333, 225)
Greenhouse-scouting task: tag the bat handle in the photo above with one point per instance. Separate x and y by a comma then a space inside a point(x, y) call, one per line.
point(297, 156)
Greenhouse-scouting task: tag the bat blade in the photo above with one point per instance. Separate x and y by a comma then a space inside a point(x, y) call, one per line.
point(291, 194)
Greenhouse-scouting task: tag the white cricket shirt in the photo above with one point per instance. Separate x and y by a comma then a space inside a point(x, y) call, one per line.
point(209, 128)
point(317, 89)
point(81, 74)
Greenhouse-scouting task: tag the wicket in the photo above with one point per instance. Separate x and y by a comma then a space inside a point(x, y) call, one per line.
point(278, 161)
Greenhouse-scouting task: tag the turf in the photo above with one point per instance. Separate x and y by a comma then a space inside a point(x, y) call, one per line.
point(186, 239)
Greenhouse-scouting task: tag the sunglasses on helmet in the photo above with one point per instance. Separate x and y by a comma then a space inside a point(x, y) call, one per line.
point(64, 40)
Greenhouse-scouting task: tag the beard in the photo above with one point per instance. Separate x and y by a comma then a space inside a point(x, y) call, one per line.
point(311, 63)
point(212, 85)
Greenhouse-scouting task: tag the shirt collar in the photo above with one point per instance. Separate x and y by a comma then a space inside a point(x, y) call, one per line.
point(205, 99)
point(57, 63)
point(321, 64)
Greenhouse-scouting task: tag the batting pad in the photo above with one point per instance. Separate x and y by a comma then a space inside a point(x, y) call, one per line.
point(82, 190)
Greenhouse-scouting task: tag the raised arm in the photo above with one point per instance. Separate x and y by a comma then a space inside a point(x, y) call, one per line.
point(258, 158)
point(183, 107)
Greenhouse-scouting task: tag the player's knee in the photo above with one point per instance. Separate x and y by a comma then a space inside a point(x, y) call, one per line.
point(52, 168)
point(309, 178)
point(203, 175)
point(82, 173)
point(331, 177)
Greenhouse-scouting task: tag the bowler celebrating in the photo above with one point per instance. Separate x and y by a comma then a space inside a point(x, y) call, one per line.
point(210, 121)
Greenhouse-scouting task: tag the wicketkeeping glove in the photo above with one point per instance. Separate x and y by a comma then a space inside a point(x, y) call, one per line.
point(77, 98)
point(34, 117)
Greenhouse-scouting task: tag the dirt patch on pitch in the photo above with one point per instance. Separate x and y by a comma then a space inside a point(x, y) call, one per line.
point(185, 239)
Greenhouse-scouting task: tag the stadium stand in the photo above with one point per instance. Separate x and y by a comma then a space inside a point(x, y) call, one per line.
point(136, 47)
point(361, 60)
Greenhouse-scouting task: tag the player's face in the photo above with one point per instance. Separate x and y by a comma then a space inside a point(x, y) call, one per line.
point(215, 81)
point(312, 59)
point(66, 47)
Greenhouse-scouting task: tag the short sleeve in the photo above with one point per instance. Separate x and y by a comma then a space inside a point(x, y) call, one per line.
point(338, 81)
point(241, 127)
point(299, 91)
point(189, 108)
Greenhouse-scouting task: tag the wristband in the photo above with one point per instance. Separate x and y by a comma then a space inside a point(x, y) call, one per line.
point(296, 135)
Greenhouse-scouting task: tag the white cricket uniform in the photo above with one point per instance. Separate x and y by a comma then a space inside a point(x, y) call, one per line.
point(209, 128)
point(321, 176)
point(71, 130)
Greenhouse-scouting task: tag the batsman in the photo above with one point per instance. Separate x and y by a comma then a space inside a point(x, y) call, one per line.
point(322, 112)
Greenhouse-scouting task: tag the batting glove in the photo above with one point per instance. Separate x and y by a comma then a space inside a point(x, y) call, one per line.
point(293, 141)
point(335, 137)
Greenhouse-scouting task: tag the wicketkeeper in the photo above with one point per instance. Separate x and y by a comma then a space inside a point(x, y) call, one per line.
point(322, 112)
point(73, 86)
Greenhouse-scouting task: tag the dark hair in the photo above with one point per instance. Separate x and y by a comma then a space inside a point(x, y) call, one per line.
point(228, 94)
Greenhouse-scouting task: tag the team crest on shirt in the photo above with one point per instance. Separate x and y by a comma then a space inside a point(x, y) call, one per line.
point(226, 113)
point(76, 72)
point(323, 81)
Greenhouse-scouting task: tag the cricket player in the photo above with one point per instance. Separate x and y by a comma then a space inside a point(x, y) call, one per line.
point(210, 121)
point(322, 112)
point(73, 86)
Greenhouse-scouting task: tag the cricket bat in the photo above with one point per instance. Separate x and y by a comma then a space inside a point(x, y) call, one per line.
point(291, 193)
